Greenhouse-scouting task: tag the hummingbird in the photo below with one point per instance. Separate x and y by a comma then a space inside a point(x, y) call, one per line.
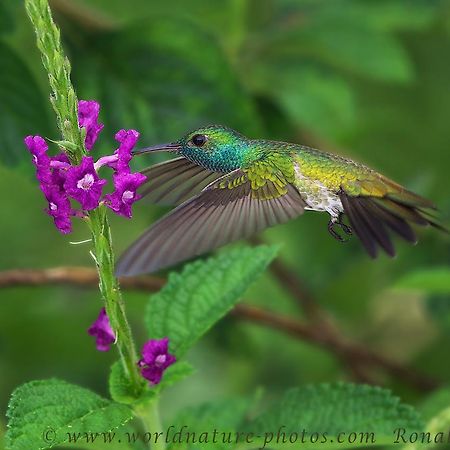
point(227, 187)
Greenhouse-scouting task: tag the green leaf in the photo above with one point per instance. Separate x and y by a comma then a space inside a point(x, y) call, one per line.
point(226, 416)
point(6, 18)
point(42, 413)
point(336, 408)
point(121, 391)
point(194, 300)
point(363, 51)
point(22, 107)
point(436, 402)
point(313, 98)
point(174, 373)
point(348, 47)
point(434, 280)
point(381, 15)
point(120, 388)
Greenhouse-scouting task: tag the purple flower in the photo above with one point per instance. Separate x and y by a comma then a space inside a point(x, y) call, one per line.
point(127, 140)
point(38, 148)
point(60, 164)
point(155, 359)
point(58, 207)
point(102, 331)
point(88, 118)
point(60, 181)
point(122, 199)
point(83, 184)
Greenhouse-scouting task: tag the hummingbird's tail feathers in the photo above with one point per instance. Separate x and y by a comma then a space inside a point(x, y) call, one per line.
point(368, 225)
point(213, 218)
point(175, 181)
point(372, 218)
point(409, 198)
point(434, 221)
point(420, 211)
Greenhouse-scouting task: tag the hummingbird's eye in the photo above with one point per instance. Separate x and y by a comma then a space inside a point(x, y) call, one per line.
point(199, 140)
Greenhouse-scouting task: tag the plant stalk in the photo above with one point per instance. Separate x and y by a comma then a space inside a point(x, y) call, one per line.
point(149, 415)
point(65, 103)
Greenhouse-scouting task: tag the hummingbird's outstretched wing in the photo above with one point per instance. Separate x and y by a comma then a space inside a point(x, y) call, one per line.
point(175, 181)
point(378, 205)
point(233, 207)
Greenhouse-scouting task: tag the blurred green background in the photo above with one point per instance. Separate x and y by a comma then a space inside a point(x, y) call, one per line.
point(369, 79)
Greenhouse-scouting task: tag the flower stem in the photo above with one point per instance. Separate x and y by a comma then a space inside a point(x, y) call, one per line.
point(149, 415)
point(64, 101)
point(109, 287)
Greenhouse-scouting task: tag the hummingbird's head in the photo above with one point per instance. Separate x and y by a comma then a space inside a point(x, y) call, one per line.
point(215, 147)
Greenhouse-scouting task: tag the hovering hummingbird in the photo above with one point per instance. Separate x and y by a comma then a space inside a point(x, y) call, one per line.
point(228, 187)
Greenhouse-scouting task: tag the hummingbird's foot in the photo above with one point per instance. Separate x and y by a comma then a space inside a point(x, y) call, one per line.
point(338, 221)
point(345, 228)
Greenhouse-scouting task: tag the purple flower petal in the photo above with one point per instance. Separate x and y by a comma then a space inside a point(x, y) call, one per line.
point(58, 207)
point(152, 374)
point(155, 359)
point(38, 148)
point(109, 160)
point(122, 199)
point(88, 118)
point(102, 331)
point(127, 140)
point(60, 165)
point(83, 184)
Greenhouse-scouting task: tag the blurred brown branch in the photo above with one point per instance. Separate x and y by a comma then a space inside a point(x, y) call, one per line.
point(319, 332)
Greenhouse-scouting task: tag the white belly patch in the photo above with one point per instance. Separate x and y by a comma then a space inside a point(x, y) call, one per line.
point(316, 195)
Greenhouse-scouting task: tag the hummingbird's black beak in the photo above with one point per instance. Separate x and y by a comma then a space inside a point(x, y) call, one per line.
point(172, 147)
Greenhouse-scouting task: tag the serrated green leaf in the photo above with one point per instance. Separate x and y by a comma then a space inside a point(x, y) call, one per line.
point(434, 280)
point(21, 106)
point(225, 415)
point(59, 408)
point(175, 373)
point(121, 391)
point(193, 300)
point(337, 408)
point(120, 388)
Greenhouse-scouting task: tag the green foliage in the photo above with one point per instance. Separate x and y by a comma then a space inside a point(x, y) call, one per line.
point(57, 408)
point(436, 402)
point(436, 411)
point(57, 66)
point(21, 104)
point(321, 101)
point(367, 77)
point(382, 15)
point(120, 388)
point(432, 280)
point(6, 22)
point(193, 300)
point(181, 80)
point(226, 415)
point(122, 391)
point(2, 436)
point(336, 408)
